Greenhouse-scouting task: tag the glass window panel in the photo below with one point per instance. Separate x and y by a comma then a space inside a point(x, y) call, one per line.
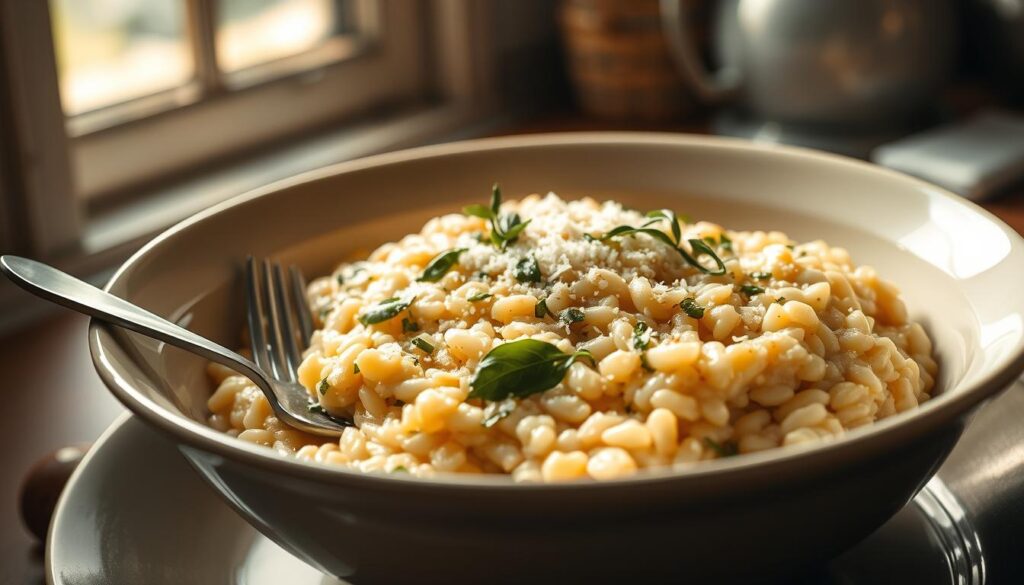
point(251, 32)
point(111, 51)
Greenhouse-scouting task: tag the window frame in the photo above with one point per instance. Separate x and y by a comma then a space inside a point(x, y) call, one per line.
point(222, 112)
point(456, 41)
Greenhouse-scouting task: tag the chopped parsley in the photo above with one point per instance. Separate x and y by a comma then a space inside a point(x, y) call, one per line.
point(641, 336)
point(527, 270)
point(479, 297)
point(691, 308)
point(409, 326)
point(571, 315)
point(323, 386)
point(751, 289)
point(355, 368)
point(422, 343)
point(726, 449)
point(726, 243)
point(541, 308)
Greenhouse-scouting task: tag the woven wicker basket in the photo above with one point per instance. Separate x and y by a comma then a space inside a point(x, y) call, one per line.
point(619, 60)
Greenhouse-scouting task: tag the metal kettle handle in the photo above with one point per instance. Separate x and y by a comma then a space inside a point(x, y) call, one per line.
point(711, 87)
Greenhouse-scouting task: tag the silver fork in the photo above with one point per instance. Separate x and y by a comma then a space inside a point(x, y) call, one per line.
point(288, 398)
point(280, 325)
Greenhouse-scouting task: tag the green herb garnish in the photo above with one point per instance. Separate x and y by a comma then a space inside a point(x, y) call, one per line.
point(541, 308)
point(340, 278)
point(698, 248)
point(504, 228)
point(355, 368)
point(726, 243)
point(409, 326)
point(527, 270)
point(571, 315)
point(400, 469)
point(503, 410)
point(727, 449)
point(641, 336)
point(521, 368)
point(691, 308)
point(751, 289)
point(384, 311)
point(440, 265)
point(761, 275)
point(479, 297)
point(781, 300)
point(323, 386)
point(422, 343)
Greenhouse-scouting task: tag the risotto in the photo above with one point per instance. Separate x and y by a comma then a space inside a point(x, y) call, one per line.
point(555, 340)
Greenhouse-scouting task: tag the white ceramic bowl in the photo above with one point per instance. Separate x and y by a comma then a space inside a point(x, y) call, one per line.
point(755, 515)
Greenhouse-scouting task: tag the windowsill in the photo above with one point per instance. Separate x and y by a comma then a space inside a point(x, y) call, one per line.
point(111, 236)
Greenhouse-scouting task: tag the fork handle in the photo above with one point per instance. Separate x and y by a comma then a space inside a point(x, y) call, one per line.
point(63, 289)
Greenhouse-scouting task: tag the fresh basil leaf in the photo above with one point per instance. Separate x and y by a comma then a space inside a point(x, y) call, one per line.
point(691, 308)
point(477, 210)
point(701, 248)
point(727, 449)
point(527, 270)
point(541, 309)
point(422, 343)
point(571, 315)
point(479, 297)
point(520, 368)
point(441, 264)
point(751, 289)
point(641, 336)
point(384, 311)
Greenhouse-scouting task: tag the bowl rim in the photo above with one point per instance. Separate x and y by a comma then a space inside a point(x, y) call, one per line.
point(938, 411)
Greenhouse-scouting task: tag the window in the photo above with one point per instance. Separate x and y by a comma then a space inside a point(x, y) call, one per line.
point(194, 81)
point(118, 107)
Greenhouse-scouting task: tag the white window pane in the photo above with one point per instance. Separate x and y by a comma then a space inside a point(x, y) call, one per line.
point(111, 51)
point(251, 32)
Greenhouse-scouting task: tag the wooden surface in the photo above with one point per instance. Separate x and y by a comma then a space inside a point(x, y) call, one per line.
point(53, 396)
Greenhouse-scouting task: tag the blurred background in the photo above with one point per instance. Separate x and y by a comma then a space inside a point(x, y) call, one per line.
point(119, 118)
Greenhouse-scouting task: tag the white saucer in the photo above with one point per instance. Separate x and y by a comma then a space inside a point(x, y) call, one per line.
point(135, 512)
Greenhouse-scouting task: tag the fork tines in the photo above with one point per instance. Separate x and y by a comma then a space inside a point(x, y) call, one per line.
point(278, 315)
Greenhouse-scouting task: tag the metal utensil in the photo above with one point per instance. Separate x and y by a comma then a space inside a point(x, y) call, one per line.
point(271, 373)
